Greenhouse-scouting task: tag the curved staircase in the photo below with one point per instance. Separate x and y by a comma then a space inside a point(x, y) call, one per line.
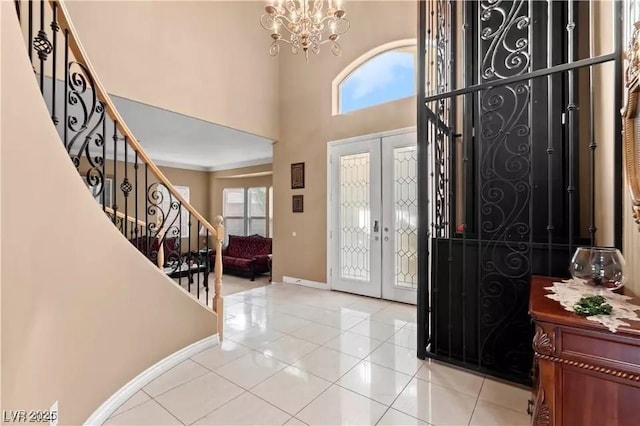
point(75, 336)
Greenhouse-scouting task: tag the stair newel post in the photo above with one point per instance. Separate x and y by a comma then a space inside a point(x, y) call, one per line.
point(218, 304)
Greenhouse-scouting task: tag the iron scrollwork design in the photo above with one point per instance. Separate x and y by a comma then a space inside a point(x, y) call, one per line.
point(163, 227)
point(84, 123)
point(504, 185)
point(506, 56)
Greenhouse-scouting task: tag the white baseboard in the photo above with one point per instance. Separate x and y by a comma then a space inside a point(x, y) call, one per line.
point(141, 380)
point(306, 283)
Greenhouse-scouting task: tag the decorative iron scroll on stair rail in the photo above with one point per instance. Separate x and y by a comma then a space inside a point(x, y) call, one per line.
point(134, 193)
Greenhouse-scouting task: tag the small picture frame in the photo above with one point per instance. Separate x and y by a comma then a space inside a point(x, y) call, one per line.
point(298, 204)
point(297, 175)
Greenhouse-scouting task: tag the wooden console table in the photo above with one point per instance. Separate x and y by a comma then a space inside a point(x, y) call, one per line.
point(584, 375)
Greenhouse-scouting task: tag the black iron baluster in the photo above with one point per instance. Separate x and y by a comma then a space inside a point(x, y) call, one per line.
point(206, 277)
point(39, 44)
point(423, 189)
point(114, 202)
point(571, 121)
point(55, 28)
point(135, 193)
point(66, 89)
point(550, 148)
point(30, 32)
point(146, 210)
point(179, 243)
point(104, 164)
point(198, 288)
point(432, 143)
point(206, 283)
point(125, 187)
point(190, 249)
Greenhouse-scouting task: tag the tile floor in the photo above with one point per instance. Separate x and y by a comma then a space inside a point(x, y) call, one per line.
point(294, 355)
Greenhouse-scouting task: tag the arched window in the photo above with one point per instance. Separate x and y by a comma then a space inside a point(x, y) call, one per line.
point(382, 75)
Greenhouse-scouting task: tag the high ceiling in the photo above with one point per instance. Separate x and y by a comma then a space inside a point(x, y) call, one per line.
point(178, 140)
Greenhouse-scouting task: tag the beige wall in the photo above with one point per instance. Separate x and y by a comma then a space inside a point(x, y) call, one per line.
point(306, 125)
point(77, 320)
point(228, 179)
point(159, 52)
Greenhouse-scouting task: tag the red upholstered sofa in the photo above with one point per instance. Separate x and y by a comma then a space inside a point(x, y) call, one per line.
point(170, 248)
point(246, 254)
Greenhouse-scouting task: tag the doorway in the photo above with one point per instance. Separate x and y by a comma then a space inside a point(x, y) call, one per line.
point(372, 216)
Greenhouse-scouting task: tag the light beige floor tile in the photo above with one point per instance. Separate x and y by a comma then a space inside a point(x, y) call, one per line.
point(451, 377)
point(250, 369)
point(390, 317)
point(285, 323)
point(147, 413)
point(505, 395)
point(291, 389)
point(233, 324)
point(301, 311)
point(374, 381)
point(327, 363)
point(220, 354)
point(246, 409)
point(374, 329)
point(339, 406)
point(406, 337)
point(354, 344)
point(365, 308)
point(196, 399)
point(287, 349)
point(255, 336)
point(137, 399)
point(488, 414)
point(317, 333)
point(396, 418)
point(435, 404)
point(397, 358)
point(251, 313)
point(340, 320)
point(181, 373)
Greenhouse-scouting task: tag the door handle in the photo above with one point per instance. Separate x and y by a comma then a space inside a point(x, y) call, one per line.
point(375, 226)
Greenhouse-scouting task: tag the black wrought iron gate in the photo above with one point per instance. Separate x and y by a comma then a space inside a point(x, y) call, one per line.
point(501, 152)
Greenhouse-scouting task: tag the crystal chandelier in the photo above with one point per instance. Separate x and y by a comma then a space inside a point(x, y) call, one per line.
point(305, 25)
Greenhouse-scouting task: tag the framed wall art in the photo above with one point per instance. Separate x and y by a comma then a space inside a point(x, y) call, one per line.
point(297, 175)
point(298, 204)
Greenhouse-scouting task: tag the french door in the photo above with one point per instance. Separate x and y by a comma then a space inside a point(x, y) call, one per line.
point(373, 212)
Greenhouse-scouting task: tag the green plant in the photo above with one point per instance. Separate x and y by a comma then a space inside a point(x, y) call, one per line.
point(592, 305)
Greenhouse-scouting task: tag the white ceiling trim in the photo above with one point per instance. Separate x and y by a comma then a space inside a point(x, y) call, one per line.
point(131, 159)
point(240, 164)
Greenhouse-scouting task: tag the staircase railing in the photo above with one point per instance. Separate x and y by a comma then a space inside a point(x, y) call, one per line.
point(145, 206)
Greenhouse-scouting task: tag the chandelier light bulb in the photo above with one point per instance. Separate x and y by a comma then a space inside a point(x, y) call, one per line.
point(305, 25)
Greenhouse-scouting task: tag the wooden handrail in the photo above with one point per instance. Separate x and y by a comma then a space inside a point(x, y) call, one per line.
point(216, 230)
point(121, 215)
point(78, 50)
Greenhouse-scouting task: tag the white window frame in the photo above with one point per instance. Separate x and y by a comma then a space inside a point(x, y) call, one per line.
point(246, 218)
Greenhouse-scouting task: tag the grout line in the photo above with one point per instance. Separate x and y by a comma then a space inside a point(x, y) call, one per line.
point(167, 410)
point(177, 386)
point(476, 404)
